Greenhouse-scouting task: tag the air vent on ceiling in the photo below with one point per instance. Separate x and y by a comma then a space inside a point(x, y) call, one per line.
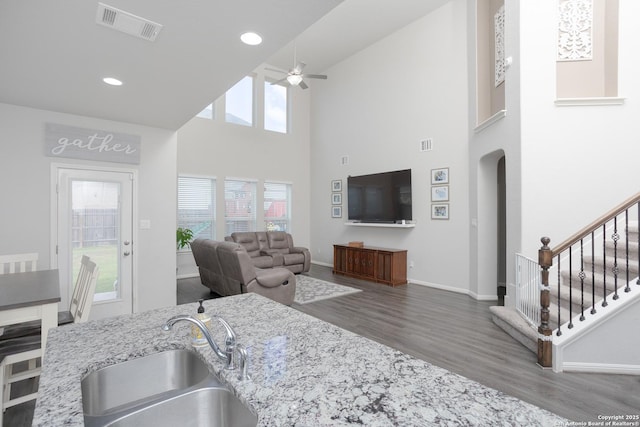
point(127, 23)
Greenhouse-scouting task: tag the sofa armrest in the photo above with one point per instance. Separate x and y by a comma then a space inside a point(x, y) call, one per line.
point(272, 277)
point(307, 256)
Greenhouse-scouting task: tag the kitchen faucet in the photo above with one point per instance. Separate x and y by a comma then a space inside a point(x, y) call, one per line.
point(228, 355)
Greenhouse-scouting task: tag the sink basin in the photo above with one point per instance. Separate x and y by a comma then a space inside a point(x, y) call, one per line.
point(212, 407)
point(169, 388)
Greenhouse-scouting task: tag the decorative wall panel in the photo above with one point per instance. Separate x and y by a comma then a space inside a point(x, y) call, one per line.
point(575, 24)
point(499, 43)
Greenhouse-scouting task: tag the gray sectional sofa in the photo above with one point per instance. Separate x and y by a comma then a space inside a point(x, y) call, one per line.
point(268, 249)
point(227, 269)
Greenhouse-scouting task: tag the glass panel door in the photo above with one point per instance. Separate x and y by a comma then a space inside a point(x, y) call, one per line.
point(95, 219)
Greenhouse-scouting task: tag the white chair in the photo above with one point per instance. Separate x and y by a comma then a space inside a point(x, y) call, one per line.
point(25, 342)
point(17, 263)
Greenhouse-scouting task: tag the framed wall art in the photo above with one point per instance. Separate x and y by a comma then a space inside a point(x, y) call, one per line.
point(336, 212)
point(440, 193)
point(440, 176)
point(336, 198)
point(336, 185)
point(440, 211)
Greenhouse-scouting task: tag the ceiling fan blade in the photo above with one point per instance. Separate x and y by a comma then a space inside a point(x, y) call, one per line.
point(275, 69)
point(299, 66)
point(281, 81)
point(315, 76)
point(302, 84)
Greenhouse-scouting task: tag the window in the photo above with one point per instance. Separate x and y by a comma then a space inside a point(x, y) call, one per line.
point(275, 107)
point(239, 205)
point(207, 113)
point(239, 103)
point(197, 205)
point(277, 206)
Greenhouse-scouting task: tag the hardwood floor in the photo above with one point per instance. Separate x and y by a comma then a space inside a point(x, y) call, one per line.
point(452, 331)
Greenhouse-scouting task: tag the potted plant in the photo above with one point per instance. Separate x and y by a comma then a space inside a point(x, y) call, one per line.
point(183, 237)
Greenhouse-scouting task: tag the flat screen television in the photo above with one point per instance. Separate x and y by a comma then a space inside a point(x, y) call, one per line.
point(380, 197)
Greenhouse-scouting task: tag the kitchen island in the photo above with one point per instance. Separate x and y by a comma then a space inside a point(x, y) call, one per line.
point(304, 371)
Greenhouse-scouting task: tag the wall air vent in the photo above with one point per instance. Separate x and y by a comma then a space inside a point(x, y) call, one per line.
point(344, 160)
point(127, 23)
point(426, 144)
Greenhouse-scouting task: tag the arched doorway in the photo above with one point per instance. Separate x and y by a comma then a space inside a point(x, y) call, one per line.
point(492, 227)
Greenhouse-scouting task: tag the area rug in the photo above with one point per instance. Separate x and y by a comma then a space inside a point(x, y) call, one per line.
point(309, 289)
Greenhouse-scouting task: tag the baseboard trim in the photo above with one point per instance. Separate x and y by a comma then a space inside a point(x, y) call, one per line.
point(604, 368)
point(455, 290)
point(324, 264)
point(187, 276)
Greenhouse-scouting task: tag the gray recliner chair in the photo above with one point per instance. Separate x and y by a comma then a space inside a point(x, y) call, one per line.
point(226, 269)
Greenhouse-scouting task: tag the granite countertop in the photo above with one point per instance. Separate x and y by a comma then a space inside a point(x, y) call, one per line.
point(304, 371)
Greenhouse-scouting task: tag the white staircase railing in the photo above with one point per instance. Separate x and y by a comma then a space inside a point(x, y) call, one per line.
point(528, 289)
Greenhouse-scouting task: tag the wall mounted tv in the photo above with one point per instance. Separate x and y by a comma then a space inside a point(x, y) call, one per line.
point(380, 197)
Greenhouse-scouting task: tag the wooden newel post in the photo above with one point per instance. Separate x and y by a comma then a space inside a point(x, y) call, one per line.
point(545, 259)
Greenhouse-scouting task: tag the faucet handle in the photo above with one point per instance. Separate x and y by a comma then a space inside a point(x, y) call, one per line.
point(243, 363)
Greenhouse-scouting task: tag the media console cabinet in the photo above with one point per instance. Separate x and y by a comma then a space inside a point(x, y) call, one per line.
point(382, 265)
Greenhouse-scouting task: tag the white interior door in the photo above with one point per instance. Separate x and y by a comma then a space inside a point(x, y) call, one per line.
point(94, 218)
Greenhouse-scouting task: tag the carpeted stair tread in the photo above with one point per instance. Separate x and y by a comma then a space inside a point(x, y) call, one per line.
point(516, 326)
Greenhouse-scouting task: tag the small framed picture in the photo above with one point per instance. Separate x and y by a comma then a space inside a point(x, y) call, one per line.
point(336, 185)
point(440, 193)
point(336, 211)
point(440, 211)
point(440, 176)
point(336, 198)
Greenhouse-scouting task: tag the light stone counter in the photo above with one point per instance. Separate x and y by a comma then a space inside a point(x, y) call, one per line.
point(305, 372)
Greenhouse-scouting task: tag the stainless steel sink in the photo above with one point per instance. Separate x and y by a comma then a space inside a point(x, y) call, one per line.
point(169, 388)
point(212, 407)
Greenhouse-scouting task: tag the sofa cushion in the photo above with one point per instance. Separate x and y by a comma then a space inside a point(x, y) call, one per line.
point(278, 242)
point(249, 240)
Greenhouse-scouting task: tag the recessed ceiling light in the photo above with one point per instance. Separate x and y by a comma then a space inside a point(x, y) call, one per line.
point(250, 38)
point(112, 81)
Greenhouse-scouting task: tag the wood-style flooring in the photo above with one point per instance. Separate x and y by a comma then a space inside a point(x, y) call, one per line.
point(452, 331)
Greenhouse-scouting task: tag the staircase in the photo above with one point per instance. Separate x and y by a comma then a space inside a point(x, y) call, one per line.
point(599, 269)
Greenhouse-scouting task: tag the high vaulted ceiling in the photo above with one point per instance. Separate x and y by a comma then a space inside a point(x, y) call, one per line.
point(53, 54)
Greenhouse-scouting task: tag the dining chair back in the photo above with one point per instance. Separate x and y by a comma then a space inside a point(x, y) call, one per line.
point(83, 291)
point(17, 263)
point(23, 344)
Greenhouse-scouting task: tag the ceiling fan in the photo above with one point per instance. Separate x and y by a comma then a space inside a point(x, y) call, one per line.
point(294, 76)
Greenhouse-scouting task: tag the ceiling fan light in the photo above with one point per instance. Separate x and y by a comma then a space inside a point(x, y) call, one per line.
point(294, 79)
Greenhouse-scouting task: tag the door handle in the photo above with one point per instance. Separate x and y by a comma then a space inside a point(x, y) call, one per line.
point(126, 243)
point(126, 253)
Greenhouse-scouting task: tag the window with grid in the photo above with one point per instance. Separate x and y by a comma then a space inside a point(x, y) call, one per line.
point(239, 103)
point(277, 206)
point(197, 205)
point(239, 205)
point(275, 107)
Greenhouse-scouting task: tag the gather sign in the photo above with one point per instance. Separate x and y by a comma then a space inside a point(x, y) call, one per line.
point(90, 144)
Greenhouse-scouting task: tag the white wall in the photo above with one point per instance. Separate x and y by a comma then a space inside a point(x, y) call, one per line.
point(375, 107)
point(486, 146)
point(217, 149)
point(25, 212)
point(577, 162)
